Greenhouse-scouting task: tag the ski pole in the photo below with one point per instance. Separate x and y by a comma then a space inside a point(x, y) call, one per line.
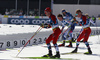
point(62, 33)
point(97, 31)
point(29, 40)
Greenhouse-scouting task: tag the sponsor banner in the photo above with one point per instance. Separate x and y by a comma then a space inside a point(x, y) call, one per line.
point(31, 21)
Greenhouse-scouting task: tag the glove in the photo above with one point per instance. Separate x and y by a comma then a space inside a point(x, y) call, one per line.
point(42, 25)
point(45, 26)
point(74, 18)
point(75, 21)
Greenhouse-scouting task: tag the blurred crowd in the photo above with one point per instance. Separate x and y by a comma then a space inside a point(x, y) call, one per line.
point(20, 12)
point(32, 12)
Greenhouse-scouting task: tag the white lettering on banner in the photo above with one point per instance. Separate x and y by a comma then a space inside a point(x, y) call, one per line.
point(34, 22)
point(39, 21)
point(27, 21)
point(21, 21)
point(43, 21)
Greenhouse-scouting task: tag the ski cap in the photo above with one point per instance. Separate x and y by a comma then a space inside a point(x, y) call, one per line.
point(86, 14)
point(78, 10)
point(48, 9)
point(63, 10)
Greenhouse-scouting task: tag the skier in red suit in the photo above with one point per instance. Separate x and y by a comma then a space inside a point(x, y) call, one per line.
point(54, 36)
point(83, 21)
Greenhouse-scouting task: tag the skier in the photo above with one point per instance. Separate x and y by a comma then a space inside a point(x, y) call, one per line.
point(91, 21)
point(94, 19)
point(68, 18)
point(87, 16)
point(54, 36)
point(85, 31)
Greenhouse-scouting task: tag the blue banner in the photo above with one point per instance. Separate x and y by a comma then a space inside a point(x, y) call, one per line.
point(28, 21)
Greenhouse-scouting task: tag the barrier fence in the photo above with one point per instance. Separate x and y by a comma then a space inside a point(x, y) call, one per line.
point(18, 40)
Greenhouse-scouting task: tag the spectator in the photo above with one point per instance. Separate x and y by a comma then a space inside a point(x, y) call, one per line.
point(6, 13)
point(99, 15)
point(20, 13)
point(42, 15)
point(36, 12)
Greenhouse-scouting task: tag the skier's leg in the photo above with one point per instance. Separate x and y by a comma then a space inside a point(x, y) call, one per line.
point(56, 35)
point(49, 46)
point(78, 40)
point(86, 39)
point(64, 37)
point(70, 40)
point(70, 35)
point(88, 47)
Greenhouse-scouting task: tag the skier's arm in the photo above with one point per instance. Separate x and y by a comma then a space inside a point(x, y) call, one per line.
point(91, 21)
point(45, 25)
point(74, 20)
point(52, 22)
point(79, 21)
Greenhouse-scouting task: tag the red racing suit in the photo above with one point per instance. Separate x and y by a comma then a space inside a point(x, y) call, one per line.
point(86, 30)
point(56, 30)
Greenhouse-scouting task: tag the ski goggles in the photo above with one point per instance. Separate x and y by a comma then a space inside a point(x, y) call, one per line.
point(76, 14)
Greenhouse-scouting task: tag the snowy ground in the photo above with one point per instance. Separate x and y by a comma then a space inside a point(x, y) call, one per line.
point(38, 50)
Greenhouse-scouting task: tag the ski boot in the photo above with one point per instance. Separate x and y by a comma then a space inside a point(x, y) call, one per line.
point(89, 51)
point(63, 44)
point(75, 51)
point(56, 56)
point(48, 55)
point(70, 45)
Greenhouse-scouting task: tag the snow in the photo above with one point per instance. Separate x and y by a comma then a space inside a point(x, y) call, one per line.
point(15, 29)
point(38, 50)
point(8, 29)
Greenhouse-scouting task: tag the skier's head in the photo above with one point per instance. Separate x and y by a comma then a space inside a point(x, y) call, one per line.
point(47, 11)
point(87, 16)
point(60, 17)
point(78, 13)
point(64, 12)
